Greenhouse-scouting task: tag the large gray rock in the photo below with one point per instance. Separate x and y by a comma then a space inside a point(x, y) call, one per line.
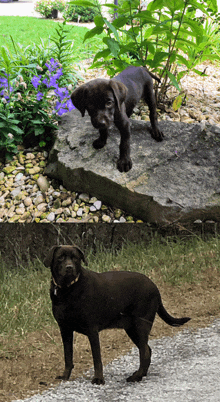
point(177, 179)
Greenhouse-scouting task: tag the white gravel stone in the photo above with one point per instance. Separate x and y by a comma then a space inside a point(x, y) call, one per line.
point(51, 217)
point(15, 192)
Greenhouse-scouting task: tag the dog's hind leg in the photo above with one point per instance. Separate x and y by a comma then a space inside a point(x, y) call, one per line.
point(151, 102)
point(139, 335)
point(96, 354)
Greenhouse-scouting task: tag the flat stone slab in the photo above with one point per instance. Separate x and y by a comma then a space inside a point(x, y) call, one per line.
point(177, 179)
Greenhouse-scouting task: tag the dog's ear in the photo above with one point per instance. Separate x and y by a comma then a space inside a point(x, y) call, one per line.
point(81, 254)
point(120, 91)
point(49, 258)
point(78, 98)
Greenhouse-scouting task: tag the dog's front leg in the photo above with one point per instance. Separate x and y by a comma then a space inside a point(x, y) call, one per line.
point(67, 337)
point(101, 141)
point(96, 354)
point(122, 122)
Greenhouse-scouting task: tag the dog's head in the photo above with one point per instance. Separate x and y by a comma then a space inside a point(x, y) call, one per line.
point(65, 264)
point(100, 98)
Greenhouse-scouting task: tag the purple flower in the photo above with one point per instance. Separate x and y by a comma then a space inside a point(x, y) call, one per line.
point(58, 73)
point(52, 66)
point(52, 82)
point(61, 108)
point(39, 96)
point(36, 81)
point(62, 93)
point(70, 105)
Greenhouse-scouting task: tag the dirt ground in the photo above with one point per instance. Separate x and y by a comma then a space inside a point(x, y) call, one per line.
point(30, 365)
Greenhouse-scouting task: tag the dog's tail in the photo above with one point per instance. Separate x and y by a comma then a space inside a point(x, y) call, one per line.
point(153, 75)
point(174, 322)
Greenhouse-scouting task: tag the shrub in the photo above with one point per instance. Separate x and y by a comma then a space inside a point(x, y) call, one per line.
point(45, 7)
point(87, 14)
point(162, 37)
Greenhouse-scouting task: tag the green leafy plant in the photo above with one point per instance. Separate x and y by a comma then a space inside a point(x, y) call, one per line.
point(163, 37)
point(64, 52)
point(45, 7)
point(75, 13)
point(29, 111)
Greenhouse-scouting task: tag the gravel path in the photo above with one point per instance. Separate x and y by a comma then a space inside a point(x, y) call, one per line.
point(184, 368)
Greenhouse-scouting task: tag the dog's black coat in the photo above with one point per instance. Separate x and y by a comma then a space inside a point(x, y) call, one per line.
point(109, 101)
point(88, 302)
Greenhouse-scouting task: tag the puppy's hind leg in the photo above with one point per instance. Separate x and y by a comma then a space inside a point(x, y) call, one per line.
point(149, 98)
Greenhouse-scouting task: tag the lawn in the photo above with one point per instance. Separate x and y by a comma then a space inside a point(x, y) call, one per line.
point(31, 30)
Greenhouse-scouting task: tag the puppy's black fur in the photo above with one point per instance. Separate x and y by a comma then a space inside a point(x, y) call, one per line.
point(113, 101)
point(88, 302)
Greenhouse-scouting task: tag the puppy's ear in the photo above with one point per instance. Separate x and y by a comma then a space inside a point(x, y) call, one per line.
point(48, 260)
point(78, 98)
point(81, 254)
point(120, 91)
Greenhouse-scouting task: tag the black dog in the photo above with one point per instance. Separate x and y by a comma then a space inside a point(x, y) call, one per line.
point(88, 302)
point(109, 101)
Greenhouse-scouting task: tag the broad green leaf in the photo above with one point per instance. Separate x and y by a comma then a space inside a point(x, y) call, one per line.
point(99, 21)
point(155, 5)
point(113, 46)
point(94, 31)
point(159, 56)
point(83, 3)
point(16, 129)
point(110, 5)
point(183, 60)
point(173, 80)
point(113, 29)
point(119, 22)
point(199, 72)
point(147, 16)
point(103, 53)
point(177, 103)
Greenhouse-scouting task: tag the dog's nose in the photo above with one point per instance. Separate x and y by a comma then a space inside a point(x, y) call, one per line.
point(69, 267)
point(102, 123)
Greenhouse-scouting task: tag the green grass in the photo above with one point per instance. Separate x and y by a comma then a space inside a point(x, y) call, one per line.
point(24, 291)
point(29, 30)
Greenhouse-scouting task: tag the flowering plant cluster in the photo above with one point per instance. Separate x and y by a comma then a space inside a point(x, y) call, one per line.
point(45, 7)
point(63, 103)
point(29, 111)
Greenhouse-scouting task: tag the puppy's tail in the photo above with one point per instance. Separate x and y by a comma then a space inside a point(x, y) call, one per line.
point(174, 322)
point(153, 75)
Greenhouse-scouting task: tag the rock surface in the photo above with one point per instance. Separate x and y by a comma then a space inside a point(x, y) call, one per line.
point(175, 180)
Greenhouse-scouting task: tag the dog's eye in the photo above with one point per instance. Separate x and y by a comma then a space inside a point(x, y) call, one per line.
point(61, 258)
point(108, 103)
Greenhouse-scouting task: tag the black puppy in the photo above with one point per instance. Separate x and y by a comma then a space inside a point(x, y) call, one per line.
point(88, 302)
point(109, 101)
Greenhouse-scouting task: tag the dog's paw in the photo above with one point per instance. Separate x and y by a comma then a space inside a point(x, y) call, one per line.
point(66, 374)
point(98, 144)
point(135, 377)
point(62, 377)
point(124, 164)
point(157, 135)
point(98, 381)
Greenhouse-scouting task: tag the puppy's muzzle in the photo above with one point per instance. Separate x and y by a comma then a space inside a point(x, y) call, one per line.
point(102, 121)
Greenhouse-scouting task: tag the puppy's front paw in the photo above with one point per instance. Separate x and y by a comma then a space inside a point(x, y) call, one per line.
point(98, 381)
point(124, 164)
point(99, 143)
